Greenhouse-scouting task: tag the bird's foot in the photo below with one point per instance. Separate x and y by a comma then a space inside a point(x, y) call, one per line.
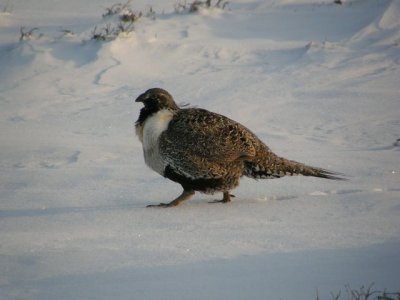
point(225, 199)
point(186, 194)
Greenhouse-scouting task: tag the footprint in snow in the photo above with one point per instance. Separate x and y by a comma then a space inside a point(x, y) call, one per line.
point(52, 161)
point(55, 162)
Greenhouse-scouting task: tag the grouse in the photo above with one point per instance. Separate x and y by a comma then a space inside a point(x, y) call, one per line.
point(205, 151)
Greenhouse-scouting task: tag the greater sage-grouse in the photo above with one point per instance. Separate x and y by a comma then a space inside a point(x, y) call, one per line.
point(204, 151)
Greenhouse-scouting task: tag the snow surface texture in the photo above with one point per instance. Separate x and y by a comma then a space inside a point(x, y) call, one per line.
point(318, 82)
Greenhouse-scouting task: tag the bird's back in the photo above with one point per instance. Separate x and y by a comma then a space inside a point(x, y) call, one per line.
point(209, 135)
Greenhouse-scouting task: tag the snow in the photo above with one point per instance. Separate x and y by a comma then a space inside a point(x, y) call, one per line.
point(318, 82)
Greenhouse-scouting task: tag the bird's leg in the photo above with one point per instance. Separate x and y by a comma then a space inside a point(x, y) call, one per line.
point(186, 194)
point(226, 198)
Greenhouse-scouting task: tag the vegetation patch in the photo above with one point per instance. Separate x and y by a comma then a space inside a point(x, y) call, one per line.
point(181, 7)
point(27, 34)
point(363, 293)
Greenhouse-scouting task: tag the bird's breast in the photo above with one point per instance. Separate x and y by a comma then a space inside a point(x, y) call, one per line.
point(153, 127)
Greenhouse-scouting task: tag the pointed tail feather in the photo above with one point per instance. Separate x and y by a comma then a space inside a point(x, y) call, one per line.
point(323, 173)
point(276, 167)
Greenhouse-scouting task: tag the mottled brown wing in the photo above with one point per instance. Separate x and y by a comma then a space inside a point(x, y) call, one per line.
point(200, 143)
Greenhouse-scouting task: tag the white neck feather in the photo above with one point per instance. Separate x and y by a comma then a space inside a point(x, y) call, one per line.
point(153, 127)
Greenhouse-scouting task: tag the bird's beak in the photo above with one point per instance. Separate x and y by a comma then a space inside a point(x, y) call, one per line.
point(142, 98)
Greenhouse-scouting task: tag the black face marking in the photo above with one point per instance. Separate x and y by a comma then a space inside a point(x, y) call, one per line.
point(145, 112)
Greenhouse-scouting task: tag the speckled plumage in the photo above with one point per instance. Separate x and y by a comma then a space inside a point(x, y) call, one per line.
point(205, 151)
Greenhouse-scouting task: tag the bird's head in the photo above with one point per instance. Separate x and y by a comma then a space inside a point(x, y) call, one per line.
point(154, 100)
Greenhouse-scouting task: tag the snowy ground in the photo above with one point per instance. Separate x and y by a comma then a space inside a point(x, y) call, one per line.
point(318, 82)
